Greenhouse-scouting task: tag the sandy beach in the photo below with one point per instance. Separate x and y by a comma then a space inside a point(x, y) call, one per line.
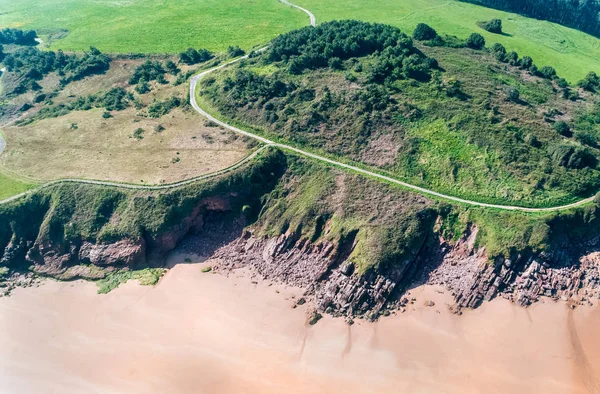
point(199, 332)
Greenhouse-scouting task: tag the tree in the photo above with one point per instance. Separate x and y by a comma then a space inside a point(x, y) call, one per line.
point(476, 41)
point(424, 32)
point(493, 26)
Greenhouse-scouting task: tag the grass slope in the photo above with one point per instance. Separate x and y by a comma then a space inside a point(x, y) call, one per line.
point(153, 25)
point(571, 52)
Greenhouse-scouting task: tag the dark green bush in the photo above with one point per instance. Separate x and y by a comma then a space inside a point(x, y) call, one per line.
point(493, 26)
point(424, 32)
point(476, 41)
point(563, 128)
point(193, 56)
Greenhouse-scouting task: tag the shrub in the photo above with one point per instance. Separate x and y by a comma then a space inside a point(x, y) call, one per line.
point(335, 63)
point(18, 37)
point(142, 87)
point(311, 48)
point(39, 98)
point(476, 41)
point(547, 72)
point(513, 95)
point(235, 51)
point(193, 56)
point(499, 51)
point(586, 138)
point(115, 99)
point(106, 115)
point(160, 108)
point(562, 128)
point(172, 67)
point(531, 140)
point(454, 88)
point(526, 62)
point(493, 26)
point(591, 82)
point(32, 64)
point(512, 58)
point(138, 133)
point(148, 71)
point(424, 32)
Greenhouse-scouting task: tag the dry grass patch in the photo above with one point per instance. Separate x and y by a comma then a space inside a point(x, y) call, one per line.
point(83, 144)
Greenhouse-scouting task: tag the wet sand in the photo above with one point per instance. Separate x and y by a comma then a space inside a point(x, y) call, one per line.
point(202, 333)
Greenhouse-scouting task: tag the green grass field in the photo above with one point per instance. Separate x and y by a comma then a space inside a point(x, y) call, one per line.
point(154, 26)
point(151, 26)
point(10, 186)
point(570, 51)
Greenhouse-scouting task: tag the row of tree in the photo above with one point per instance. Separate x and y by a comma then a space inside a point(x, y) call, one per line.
point(32, 64)
point(18, 37)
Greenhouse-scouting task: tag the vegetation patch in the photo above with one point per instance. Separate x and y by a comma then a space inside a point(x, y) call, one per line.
point(145, 277)
point(453, 116)
point(493, 26)
point(572, 53)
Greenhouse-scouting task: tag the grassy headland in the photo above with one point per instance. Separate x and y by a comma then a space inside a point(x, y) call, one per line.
point(447, 114)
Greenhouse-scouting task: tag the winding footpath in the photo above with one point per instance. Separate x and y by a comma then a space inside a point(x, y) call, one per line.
point(268, 143)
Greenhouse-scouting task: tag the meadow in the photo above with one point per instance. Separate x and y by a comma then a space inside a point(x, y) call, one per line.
point(571, 52)
point(9, 186)
point(153, 26)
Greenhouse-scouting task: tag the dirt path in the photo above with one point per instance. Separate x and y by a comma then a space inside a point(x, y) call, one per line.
point(142, 187)
point(313, 19)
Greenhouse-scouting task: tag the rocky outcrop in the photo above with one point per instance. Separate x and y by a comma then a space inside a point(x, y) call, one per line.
point(329, 277)
point(321, 269)
point(571, 275)
point(126, 252)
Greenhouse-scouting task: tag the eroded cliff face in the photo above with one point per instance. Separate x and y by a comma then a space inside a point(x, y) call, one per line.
point(324, 268)
point(570, 274)
point(354, 245)
point(61, 258)
point(329, 277)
